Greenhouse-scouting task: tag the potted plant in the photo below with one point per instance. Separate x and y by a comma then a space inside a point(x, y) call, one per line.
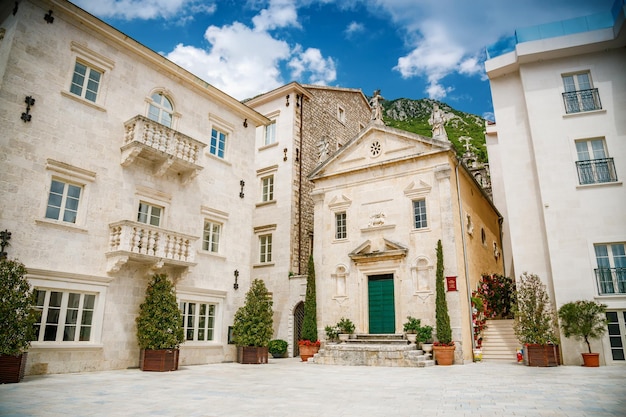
point(535, 322)
point(345, 328)
point(411, 328)
point(159, 327)
point(17, 320)
point(425, 338)
point(277, 348)
point(584, 320)
point(309, 344)
point(253, 327)
point(444, 346)
point(332, 334)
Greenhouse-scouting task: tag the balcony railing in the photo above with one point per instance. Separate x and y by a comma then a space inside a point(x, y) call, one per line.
point(582, 100)
point(167, 148)
point(596, 171)
point(140, 242)
point(611, 280)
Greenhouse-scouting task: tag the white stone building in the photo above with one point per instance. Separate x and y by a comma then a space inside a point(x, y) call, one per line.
point(557, 155)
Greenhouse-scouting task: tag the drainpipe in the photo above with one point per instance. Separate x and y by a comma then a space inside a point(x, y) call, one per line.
point(467, 281)
point(301, 102)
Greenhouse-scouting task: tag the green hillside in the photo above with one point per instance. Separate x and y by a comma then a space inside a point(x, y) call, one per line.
point(413, 115)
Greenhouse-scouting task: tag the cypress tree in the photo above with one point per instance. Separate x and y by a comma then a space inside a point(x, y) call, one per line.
point(444, 331)
point(309, 324)
point(253, 324)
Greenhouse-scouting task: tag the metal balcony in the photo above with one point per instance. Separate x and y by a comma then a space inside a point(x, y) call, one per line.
point(139, 242)
point(611, 280)
point(581, 101)
point(168, 149)
point(596, 171)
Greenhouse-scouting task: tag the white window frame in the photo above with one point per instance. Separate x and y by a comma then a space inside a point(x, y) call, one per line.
point(150, 214)
point(67, 198)
point(267, 188)
point(423, 212)
point(208, 236)
point(161, 109)
point(94, 61)
point(204, 296)
point(68, 174)
point(341, 114)
point(341, 225)
point(219, 125)
point(73, 283)
point(90, 86)
point(152, 198)
point(617, 286)
point(269, 134)
point(265, 248)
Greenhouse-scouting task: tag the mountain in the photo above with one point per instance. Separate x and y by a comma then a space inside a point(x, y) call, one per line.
point(413, 115)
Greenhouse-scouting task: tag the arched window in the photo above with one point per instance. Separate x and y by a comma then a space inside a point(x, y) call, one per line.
point(160, 109)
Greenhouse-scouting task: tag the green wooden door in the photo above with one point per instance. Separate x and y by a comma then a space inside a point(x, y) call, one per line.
point(381, 304)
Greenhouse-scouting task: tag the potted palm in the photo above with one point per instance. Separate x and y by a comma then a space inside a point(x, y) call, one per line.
point(584, 320)
point(411, 328)
point(444, 346)
point(277, 348)
point(535, 322)
point(159, 327)
point(345, 328)
point(253, 326)
point(308, 344)
point(17, 320)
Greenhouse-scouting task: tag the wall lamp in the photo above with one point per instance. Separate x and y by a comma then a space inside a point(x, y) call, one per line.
point(242, 184)
point(285, 152)
point(48, 18)
point(245, 122)
point(236, 285)
point(5, 236)
point(287, 103)
point(29, 102)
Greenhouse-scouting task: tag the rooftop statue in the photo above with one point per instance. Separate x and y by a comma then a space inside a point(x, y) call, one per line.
point(437, 121)
point(377, 107)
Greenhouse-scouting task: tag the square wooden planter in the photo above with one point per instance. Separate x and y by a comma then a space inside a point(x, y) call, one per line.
point(12, 368)
point(162, 360)
point(543, 355)
point(252, 354)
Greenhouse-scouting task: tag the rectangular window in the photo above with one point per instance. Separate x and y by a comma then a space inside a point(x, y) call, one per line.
point(579, 95)
point(611, 271)
point(63, 201)
point(265, 244)
point(211, 236)
point(85, 82)
point(341, 231)
point(593, 165)
point(617, 333)
point(270, 133)
point(267, 192)
point(149, 214)
point(198, 321)
point(419, 214)
point(341, 114)
point(218, 143)
point(65, 316)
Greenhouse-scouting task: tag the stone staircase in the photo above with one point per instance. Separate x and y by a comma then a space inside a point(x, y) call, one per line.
point(373, 350)
point(499, 341)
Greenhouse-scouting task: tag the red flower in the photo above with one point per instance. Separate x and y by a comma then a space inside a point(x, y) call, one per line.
point(308, 343)
point(443, 344)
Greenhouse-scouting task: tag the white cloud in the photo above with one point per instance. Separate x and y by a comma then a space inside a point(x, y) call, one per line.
point(241, 61)
point(280, 14)
point(354, 28)
point(144, 9)
point(320, 70)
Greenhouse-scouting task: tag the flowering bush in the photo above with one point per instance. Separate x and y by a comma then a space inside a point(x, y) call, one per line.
point(444, 344)
point(497, 293)
point(309, 343)
point(479, 319)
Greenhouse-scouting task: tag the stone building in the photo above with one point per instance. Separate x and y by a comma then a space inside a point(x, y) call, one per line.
point(557, 156)
point(382, 201)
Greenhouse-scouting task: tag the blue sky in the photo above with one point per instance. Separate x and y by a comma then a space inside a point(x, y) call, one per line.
point(405, 48)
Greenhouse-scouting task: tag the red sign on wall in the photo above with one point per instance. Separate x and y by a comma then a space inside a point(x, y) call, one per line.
point(451, 283)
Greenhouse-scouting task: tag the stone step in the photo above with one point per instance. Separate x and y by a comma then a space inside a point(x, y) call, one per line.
point(499, 341)
point(372, 354)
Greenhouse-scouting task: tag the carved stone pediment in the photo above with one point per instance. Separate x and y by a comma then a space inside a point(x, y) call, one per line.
point(378, 250)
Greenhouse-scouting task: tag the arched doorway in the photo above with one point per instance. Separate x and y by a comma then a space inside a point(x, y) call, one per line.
point(298, 319)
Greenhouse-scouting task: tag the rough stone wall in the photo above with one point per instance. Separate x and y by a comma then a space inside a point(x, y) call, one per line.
point(320, 121)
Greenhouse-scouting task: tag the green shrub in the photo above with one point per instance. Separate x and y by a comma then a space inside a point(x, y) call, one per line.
point(583, 320)
point(253, 324)
point(277, 347)
point(309, 323)
point(345, 326)
point(534, 318)
point(412, 325)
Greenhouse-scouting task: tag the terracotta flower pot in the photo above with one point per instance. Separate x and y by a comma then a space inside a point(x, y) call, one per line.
point(591, 359)
point(444, 355)
point(307, 352)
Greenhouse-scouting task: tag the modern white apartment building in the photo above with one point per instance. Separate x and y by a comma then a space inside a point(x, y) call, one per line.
point(557, 155)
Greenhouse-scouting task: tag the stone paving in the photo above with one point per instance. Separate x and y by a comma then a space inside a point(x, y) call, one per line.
point(288, 387)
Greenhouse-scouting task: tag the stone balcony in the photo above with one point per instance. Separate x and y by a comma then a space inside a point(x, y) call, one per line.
point(168, 149)
point(139, 242)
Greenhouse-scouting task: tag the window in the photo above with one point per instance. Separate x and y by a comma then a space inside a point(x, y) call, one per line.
point(198, 321)
point(160, 109)
point(270, 133)
point(341, 231)
point(85, 82)
point(149, 214)
point(419, 214)
point(611, 271)
point(211, 236)
point(63, 201)
point(267, 188)
point(593, 165)
point(65, 316)
point(341, 114)
point(218, 143)
point(579, 95)
point(265, 243)
point(617, 333)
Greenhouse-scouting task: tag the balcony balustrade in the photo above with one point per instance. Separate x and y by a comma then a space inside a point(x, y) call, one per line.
point(168, 149)
point(139, 242)
point(611, 280)
point(582, 100)
point(596, 171)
